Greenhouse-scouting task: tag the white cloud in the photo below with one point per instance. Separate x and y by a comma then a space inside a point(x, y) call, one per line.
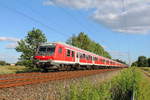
point(78, 4)
point(13, 41)
point(11, 45)
point(9, 39)
point(127, 16)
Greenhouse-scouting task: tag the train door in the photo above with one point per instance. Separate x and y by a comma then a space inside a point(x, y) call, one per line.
point(73, 56)
point(60, 53)
point(67, 55)
point(93, 60)
point(77, 58)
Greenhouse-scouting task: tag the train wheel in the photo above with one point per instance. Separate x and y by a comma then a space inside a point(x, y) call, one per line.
point(44, 70)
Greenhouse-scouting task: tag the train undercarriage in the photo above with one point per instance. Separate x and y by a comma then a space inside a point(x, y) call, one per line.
point(46, 66)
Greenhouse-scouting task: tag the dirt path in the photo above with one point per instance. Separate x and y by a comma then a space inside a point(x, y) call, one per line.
point(146, 72)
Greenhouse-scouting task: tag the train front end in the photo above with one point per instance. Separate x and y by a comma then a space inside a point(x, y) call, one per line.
point(45, 55)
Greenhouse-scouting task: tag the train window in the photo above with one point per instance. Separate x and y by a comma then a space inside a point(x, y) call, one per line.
point(83, 55)
point(72, 53)
point(103, 60)
point(93, 58)
point(80, 55)
point(77, 55)
point(107, 62)
point(60, 50)
point(50, 50)
point(89, 57)
point(68, 52)
point(42, 49)
point(86, 57)
point(96, 59)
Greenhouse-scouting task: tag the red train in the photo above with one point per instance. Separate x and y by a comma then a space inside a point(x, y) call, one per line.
point(61, 56)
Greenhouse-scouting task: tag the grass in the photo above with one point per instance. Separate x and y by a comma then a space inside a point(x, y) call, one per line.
point(17, 69)
point(11, 69)
point(119, 88)
point(130, 82)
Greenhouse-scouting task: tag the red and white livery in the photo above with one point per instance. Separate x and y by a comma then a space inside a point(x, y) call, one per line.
point(62, 56)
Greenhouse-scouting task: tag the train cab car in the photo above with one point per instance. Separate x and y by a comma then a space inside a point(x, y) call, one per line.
point(52, 55)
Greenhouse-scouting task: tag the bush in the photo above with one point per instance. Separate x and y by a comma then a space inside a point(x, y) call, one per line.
point(3, 63)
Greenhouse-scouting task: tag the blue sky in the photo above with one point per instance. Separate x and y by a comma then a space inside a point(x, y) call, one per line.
point(121, 29)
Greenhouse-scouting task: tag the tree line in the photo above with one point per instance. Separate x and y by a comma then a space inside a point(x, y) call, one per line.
point(142, 61)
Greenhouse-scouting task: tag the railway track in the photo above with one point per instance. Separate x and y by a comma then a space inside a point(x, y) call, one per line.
point(12, 80)
point(146, 72)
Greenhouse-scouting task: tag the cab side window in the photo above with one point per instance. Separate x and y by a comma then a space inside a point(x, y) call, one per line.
point(68, 52)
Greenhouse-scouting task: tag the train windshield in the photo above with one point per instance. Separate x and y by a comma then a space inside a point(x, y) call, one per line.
point(46, 50)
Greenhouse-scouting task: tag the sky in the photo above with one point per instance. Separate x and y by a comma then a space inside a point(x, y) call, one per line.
point(122, 27)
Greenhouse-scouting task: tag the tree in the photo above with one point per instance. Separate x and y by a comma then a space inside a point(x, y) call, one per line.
point(3, 63)
point(148, 60)
point(80, 41)
point(29, 45)
point(19, 63)
point(142, 61)
point(84, 42)
point(135, 64)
